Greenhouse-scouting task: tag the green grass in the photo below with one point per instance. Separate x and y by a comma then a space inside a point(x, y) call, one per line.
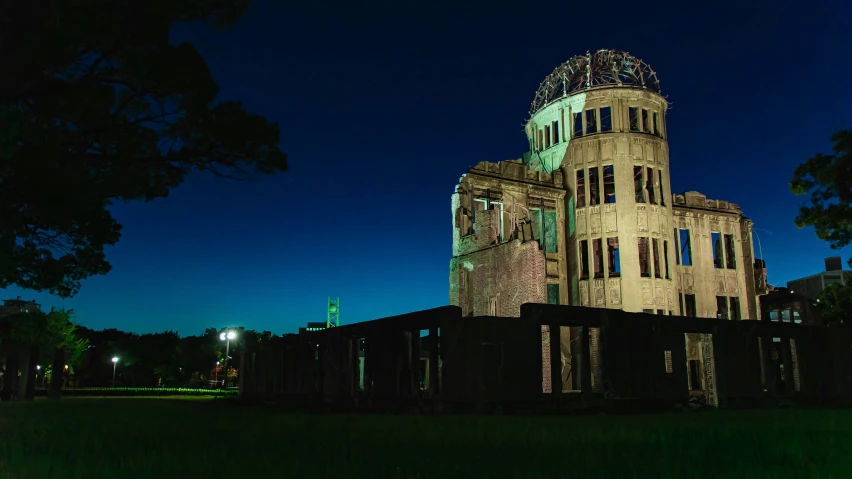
point(131, 438)
point(107, 392)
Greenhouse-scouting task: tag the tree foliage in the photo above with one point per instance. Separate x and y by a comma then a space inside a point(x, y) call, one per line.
point(828, 180)
point(98, 107)
point(834, 304)
point(48, 330)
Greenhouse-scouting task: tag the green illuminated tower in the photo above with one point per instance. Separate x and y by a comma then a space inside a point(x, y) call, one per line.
point(333, 319)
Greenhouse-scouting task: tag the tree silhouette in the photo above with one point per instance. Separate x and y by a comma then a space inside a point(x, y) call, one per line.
point(98, 107)
point(828, 180)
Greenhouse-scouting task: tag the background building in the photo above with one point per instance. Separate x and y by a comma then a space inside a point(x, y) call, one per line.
point(811, 286)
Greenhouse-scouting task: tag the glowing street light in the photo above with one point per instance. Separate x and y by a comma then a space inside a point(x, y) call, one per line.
point(114, 365)
point(227, 336)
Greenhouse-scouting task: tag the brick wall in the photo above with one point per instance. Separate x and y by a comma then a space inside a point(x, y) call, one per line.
point(512, 272)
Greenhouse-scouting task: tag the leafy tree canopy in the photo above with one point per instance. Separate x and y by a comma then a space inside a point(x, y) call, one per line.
point(48, 330)
point(828, 180)
point(98, 107)
point(835, 304)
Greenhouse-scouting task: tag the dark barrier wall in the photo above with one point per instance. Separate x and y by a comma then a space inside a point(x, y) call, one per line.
point(588, 356)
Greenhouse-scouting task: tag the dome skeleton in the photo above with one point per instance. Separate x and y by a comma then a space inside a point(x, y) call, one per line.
point(604, 67)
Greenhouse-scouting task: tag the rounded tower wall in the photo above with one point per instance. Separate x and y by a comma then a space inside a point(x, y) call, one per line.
point(610, 143)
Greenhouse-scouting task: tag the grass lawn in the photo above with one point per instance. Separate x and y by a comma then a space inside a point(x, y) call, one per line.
point(128, 438)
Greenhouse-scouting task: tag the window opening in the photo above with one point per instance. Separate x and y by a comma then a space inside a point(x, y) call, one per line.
point(736, 314)
point(597, 256)
point(646, 127)
point(662, 190)
point(656, 248)
point(718, 259)
point(581, 188)
point(606, 119)
point(550, 232)
point(609, 184)
point(633, 112)
point(591, 122)
point(637, 184)
point(613, 257)
point(668, 357)
point(649, 185)
point(594, 186)
point(584, 259)
point(555, 132)
point(552, 293)
point(644, 267)
point(689, 303)
point(685, 248)
point(721, 307)
point(666, 258)
point(547, 136)
point(578, 125)
point(730, 252)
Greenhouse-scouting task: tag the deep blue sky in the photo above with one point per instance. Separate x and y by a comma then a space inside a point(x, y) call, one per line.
point(383, 107)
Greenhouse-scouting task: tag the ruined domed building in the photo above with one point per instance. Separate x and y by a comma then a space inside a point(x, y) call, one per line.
point(587, 217)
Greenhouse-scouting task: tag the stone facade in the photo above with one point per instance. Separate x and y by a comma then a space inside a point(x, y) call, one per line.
point(594, 196)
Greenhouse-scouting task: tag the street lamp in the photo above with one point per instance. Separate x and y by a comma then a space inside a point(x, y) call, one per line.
point(114, 365)
point(227, 336)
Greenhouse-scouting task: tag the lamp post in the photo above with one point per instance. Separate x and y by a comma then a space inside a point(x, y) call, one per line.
point(227, 336)
point(114, 365)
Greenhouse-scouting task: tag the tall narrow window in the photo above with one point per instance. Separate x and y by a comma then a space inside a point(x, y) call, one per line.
point(656, 243)
point(646, 124)
point(554, 129)
point(540, 140)
point(633, 113)
point(666, 258)
point(730, 252)
point(649, 185)
point(609, 184)
point(721, 307)
point(498, 219)
point(591, 122)
point(638, 185)
point(547, 136)
point(685, 248)
point(578, 125)
point(535, 216)
point(735, 308)
point(718, 258)
point(662, 190)
point(584, 259)
point(550, 232)
point(677, 250)
point(606, 119)
point(479, 205)
point(657, 125)
point(581, 188)
point(613, 257)
point(689, 304)
point(552, 294)
point(644, 264)
point(597, 257)
point(594, 186)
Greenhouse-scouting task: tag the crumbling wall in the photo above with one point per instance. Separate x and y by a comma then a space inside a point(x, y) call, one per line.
point(498, 280)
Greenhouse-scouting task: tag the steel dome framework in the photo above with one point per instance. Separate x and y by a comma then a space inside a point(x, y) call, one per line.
point(604, 67)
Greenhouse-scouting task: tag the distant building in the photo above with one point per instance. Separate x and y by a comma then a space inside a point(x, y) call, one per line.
point(18, 305)
point(785, 306)
point(811, 286)
point(313, 326)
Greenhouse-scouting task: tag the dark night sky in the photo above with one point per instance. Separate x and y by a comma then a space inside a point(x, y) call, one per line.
point(383, 107)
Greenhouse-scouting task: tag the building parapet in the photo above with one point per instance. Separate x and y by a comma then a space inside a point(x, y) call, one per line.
point(694, 199)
